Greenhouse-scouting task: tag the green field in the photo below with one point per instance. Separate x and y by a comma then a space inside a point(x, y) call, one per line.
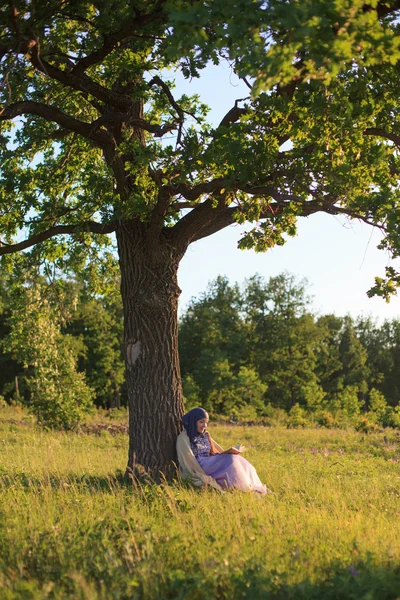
point(70, 528)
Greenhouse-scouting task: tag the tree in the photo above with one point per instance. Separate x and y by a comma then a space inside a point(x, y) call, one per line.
point(212, 339)
point(10, 369)
point(329, 365)
point(58, 394)
point(353, 357)
point(383, 346)
point(84, 82)
point(96, 322)
point(283, 338)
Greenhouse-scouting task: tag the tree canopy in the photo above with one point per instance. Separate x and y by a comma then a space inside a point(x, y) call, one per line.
point(84, 83)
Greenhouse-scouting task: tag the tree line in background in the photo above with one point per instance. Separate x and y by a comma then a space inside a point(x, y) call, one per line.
point(259, 351)
point(255, 352)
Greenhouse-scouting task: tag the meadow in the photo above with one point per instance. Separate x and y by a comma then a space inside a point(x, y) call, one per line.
point(71, 528)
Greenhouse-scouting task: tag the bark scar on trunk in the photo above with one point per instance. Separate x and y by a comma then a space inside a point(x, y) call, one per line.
point(132, 352)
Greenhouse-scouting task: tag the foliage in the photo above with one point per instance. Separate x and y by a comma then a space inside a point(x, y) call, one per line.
point(223, 338)
point(97, 321)
point(297, 417)
point(366, 425)
point(10, 369)
point(324, 364)
point(212, 339)
point(58, 394)
point(377, 406)
point(91, 104)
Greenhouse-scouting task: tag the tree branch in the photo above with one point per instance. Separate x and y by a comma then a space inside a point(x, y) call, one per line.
point(113, 39)
point(157, 129)
point(181, 112)
point(198, 219)
point(54, 115)
point(384, 8)
point(91, 226)
point(233, 114)
point(227, 217)
point(192, 193)
point(82, 83)
point(379, 132)
point(218, 184)
point(206, 219)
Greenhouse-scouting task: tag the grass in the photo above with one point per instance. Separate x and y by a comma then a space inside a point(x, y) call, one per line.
point(70, 528)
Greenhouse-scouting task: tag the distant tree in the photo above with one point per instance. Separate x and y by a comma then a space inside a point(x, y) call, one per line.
point(378, 406)
point(382, 343)
point(283, 338)
point(10, 369)
point(353, 357)
point(212, 337)
point(57, 393)
point(390, 386)
point(86, 84)
point(97, 321)
point(328, 361)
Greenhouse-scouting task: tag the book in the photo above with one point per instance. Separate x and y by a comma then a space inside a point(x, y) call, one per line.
point(239, 447)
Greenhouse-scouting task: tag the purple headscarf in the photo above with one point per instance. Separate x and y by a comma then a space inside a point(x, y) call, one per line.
point(189, 421)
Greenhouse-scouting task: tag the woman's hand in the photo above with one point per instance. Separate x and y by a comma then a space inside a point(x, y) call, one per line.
point(231, 451)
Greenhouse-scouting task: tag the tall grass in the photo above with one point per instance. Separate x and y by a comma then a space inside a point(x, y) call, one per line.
point(71, 528)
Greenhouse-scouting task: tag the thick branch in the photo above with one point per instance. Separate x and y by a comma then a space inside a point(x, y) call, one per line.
point(198, 219)
point(82, 83)
point(233, 114)
point(385, 8)
point(227, 217)
point(55, 115)
point(90, 226)
point(379, 132)
point(157, 129)
point(205, 219)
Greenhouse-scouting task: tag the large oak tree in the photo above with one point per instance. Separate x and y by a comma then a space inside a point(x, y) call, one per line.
point(85, 84)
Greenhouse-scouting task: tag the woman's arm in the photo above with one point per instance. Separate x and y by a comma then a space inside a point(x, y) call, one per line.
point(214, 448)
point(217, 449)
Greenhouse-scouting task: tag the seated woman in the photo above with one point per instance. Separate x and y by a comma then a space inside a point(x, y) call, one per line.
point(203, 461)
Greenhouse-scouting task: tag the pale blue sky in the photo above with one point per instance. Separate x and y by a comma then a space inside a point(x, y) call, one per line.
point(338, 257)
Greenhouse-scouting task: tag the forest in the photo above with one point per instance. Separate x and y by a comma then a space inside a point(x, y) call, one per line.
point(255, 352)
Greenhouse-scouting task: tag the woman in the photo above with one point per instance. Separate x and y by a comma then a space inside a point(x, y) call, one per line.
point(203, 461)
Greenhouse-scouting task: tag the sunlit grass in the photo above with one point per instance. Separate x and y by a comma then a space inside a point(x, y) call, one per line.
point(70, 528)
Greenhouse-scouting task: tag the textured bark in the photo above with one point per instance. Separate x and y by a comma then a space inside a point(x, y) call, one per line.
point(150, 294)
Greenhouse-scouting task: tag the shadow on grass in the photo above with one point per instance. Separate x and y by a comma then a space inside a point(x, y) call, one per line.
point(92, 483)
point(110, 483)
point(359, 581)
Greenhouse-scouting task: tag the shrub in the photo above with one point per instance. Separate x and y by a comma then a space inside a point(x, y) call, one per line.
point(378, 406)
point(58, 394)
point(392, 417)
point(297, 417)
point(365, 425)
point(325, 419)
point(275, 416)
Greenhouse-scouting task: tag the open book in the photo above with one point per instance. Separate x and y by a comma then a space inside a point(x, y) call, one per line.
point(239, 447)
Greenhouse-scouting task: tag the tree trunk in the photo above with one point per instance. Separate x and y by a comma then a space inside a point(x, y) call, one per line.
point(150, 294)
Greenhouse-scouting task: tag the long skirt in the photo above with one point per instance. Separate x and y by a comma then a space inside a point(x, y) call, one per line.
point(232, 471)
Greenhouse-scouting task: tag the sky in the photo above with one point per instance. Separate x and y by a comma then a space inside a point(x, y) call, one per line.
point(338, 256)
